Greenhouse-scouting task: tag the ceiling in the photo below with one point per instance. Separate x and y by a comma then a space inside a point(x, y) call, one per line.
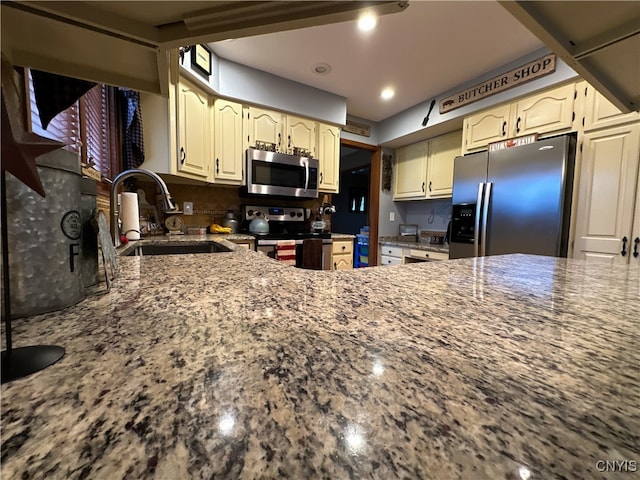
point(423, 51)
point(420, 48)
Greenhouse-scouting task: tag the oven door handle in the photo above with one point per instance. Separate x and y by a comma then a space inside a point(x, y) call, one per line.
point(305, 162)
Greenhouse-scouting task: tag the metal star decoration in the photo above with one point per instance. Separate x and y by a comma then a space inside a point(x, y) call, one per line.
point(20, 148)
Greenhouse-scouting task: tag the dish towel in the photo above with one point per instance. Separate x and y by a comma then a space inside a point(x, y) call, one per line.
point(312, 253)
point(286, 251)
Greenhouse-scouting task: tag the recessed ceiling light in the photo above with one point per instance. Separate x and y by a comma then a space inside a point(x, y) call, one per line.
point(321, 68)
point(387, 93)
point(367, 22)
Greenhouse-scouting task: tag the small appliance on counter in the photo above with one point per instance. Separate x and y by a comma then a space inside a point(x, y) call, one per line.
point(231, 221)
point(408, 231)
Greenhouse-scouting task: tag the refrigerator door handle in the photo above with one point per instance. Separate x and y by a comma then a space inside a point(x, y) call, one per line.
point(485, 218)
point(476, 229)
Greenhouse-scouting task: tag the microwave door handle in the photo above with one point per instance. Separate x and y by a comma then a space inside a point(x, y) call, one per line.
point(305, 162)
point(476, 229)
point(485, 218)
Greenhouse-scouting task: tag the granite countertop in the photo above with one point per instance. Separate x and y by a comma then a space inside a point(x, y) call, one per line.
point(403, 242)
point(342, 236)
point(232, 365)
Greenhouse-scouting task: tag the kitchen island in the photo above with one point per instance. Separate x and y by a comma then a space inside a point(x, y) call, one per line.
point(232, 365)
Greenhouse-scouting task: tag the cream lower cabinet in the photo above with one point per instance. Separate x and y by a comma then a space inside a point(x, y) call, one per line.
point(424, 170)
point(605, 229)
point(228, 143)
point(391, 255)
point(551, 111)
point(329, 157)
point(342, 254)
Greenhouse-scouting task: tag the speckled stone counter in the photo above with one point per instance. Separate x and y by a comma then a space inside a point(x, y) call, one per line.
point(342, 236)
point(231, 365)
point(403, 242)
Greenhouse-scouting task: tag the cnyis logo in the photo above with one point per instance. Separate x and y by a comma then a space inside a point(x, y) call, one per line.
point(617, 466)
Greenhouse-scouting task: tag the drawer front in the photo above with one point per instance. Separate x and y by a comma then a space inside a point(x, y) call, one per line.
point(387, 260)
point(342, 247)
point(429, 255)
point(391, 251)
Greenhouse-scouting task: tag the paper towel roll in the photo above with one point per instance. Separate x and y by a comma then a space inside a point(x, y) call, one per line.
point(130, 215)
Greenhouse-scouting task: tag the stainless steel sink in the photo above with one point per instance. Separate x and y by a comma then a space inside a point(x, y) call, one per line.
point(177, 249)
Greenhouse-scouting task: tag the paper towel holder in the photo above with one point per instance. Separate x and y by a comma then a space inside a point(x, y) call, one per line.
point(169, 204)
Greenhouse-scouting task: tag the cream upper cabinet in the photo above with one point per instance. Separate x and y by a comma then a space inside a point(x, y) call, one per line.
point(609, 178)
point(411, 172)
point(301, 133)
point(442, 151)
point(228, 145)
point(600, 112)
point(549, 112)
point(266, 126)
point(425, 169)
point(194, 130)
point(329, 157)
point(486, 127)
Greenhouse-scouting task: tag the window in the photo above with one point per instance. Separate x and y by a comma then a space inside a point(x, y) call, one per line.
point(88, 127)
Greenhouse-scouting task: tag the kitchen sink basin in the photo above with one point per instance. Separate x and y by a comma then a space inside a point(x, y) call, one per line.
point(177, 249)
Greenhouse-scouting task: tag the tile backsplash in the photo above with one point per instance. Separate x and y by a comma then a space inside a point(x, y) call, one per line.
point(210, 203)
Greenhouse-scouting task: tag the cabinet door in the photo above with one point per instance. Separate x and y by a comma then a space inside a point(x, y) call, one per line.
point(551, 111)
point(600, 112)
point(342, 262)
point(486, 127)
point(608, 179)
point(228, 145)
point(329, 157)
point(442, 151)
point(265, 126)
point(301, 133)
point(411, 172)
point(194, 130)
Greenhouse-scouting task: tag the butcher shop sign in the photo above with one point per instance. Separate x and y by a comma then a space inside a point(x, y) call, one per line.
point(525, 73)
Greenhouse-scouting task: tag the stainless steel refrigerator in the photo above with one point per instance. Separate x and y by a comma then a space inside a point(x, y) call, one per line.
point(515, 200)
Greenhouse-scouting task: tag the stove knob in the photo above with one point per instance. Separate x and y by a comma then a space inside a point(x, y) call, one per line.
point(293, 214)
point(299, 214)
point(250, 213)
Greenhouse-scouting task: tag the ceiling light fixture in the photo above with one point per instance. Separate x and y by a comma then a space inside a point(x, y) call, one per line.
point(367, 22)
point(321, 68)
point(387, 93)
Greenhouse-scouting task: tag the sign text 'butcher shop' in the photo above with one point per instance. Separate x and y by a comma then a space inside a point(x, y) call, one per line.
point(532, 70)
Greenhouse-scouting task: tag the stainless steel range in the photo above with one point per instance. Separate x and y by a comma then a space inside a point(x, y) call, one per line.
point(286, 225)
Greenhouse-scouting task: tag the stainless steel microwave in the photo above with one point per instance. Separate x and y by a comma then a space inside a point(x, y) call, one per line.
point(272, 173)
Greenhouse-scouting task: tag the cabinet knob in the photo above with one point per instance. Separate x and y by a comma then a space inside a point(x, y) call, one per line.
point(518, 125)
point(320, 177)
point(335, 266)
point(343, 247)
point(636, 241)
point(624, 246)
point(504, 128)
point(183, 155)
point(217, 166)
point(429, 186)
point(423, 186)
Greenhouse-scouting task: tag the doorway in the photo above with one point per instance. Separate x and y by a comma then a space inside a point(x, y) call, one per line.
point(357, 204)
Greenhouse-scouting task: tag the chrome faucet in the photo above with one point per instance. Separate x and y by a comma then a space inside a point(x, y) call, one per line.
point(169, 204)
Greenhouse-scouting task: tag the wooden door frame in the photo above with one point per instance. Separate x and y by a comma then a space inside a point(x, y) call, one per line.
point(374, 194)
